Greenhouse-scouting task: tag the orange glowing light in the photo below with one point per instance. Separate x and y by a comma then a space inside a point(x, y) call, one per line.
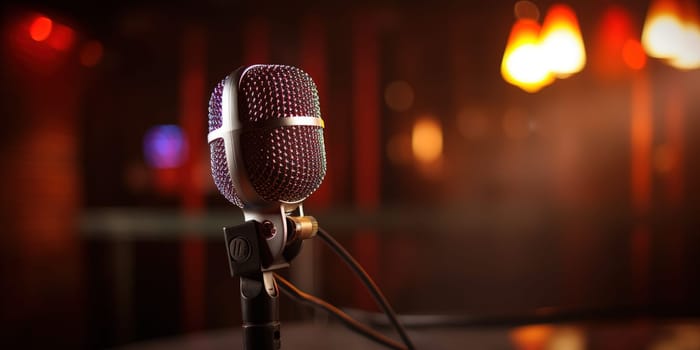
point(534, 337)
point(40, 29)
point(523, 63)
point(426, 140)
point(91, 53)
point(672, 32)
point(562, 43)
point(633, 54)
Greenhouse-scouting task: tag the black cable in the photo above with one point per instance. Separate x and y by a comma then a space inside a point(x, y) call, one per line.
point(368, 282)
point(303, 297)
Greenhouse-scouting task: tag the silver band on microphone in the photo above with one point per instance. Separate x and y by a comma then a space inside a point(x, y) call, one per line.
point(289, 121)
point(270, 123)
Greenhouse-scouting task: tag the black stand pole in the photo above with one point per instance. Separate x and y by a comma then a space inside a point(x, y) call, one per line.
point(260, 310)
point(259, 300)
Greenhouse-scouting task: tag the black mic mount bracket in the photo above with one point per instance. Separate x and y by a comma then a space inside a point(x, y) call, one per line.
point(250, 259)
point(247, 249)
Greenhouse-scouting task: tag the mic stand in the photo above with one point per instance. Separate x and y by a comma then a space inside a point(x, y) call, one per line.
point(260, 311)
point(247, 254)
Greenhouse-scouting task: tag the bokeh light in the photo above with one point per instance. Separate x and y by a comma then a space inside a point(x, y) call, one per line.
point(672, 32)
point(40, 29)
point(164, 147)
point(663, 29)
point(531, 337)
point(689, 57)
point(62, 37)
point(561, 41)
point(614, 29)
point(426, 139)
point(523, 63)
point(633, 54)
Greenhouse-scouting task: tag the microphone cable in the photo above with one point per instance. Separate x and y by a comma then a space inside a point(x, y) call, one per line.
point(372, 287)
point(302, 297)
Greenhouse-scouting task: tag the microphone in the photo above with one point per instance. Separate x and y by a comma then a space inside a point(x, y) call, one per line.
point(267, 157)
point(267, 149)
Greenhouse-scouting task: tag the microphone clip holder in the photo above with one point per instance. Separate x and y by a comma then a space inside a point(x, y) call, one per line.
point(247, 250)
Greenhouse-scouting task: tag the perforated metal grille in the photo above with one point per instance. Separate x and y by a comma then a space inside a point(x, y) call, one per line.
point(219, 163)
point(284, 163)
point(220, 172)
point(215, 120)
point(275, 91)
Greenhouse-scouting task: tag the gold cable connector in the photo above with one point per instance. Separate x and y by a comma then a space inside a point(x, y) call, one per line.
point(303, 227)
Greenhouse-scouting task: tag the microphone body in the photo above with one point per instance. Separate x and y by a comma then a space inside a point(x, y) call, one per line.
point(267, 148)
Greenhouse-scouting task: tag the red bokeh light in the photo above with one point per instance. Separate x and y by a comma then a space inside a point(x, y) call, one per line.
point(40, 29)
point(617, 47)
point(633, 54)
point(62, 37)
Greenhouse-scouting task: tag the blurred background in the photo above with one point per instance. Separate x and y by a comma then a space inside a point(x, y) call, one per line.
point(484, 158)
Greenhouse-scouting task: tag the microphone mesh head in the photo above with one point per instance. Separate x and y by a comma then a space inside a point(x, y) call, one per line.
point(285, 163)
point(219, 163)
point(215, 120)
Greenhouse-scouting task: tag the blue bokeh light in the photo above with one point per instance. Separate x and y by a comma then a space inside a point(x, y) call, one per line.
point(164, 146)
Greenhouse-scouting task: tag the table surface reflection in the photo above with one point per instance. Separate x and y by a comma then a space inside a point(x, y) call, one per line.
point(636, 334)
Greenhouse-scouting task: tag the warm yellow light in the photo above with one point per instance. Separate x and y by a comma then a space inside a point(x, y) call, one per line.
point(689, 57)
point(690, 60)
point(523, 64)
point(562, 45)
point(426, 140)
point(663, 29)
point(672, 32)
